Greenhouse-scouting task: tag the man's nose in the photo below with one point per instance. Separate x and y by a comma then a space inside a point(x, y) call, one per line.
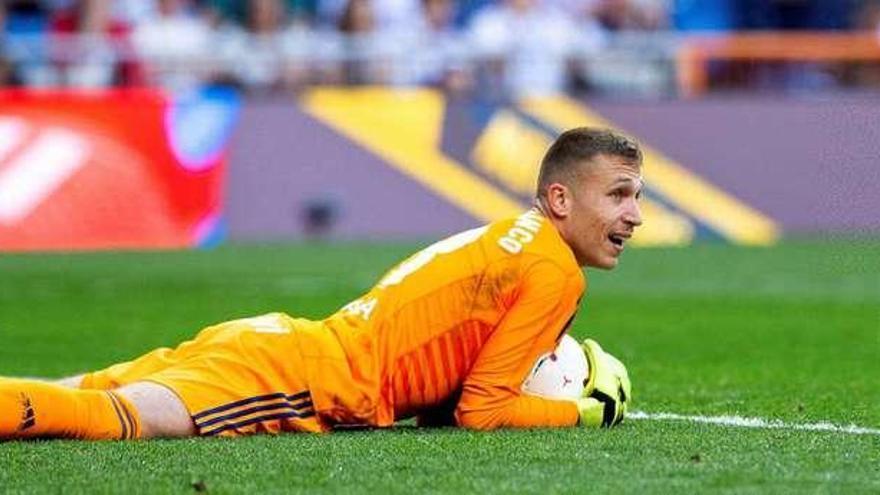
point(633, 214)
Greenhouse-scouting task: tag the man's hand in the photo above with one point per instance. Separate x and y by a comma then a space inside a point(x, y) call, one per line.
point(608, 389)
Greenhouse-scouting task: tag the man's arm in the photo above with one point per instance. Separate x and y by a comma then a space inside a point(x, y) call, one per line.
point(491, 394)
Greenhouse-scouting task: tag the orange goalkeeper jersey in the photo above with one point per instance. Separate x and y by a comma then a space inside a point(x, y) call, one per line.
point(462, 321)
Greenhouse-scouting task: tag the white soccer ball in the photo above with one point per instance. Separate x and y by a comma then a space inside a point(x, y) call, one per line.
point(560, 374)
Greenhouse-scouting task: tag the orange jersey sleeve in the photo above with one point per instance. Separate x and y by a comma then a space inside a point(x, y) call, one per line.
point(491, 396)
point(465, 317)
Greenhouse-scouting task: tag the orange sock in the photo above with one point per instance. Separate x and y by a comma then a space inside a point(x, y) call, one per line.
point(31, 408)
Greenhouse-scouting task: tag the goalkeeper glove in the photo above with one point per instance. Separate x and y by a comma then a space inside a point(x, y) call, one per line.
point(608, 389)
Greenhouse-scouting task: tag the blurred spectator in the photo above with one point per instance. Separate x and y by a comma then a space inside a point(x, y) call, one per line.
point(175, 46)
point(386, 40)
point(254, 53)
point(91, 47)
point(7, 70)
point(467, 9)
point(358, 23)
point(867, 18)
point(26, 62)
point(133, 12)
point(616, 15)
point(438, 16)
point(386, 14)
point(397, 15)
point(357, 18)
point(622, 15)
point(629, 62)
point(525, 46)
point(238, 11)
point(427, 51)
point(439, 58)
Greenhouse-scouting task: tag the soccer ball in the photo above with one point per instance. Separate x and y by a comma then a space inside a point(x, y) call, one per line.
point(560, 374)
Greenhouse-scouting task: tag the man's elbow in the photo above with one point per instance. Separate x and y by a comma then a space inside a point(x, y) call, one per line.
point(478, 419)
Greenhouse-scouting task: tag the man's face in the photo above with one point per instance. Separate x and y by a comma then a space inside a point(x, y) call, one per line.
point(605, 210)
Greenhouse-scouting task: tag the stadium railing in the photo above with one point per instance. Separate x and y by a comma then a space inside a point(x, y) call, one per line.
point(695, 52)
point(629, 63)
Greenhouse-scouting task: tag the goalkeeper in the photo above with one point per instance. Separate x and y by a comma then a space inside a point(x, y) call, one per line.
point(448, 335)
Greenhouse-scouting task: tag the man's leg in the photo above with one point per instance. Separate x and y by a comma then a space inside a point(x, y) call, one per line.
point(162, 413)
point(71, 381)
point(33, 408)
point(233, 377)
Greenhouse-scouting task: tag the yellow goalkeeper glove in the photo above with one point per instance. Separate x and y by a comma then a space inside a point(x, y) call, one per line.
point(608, 389)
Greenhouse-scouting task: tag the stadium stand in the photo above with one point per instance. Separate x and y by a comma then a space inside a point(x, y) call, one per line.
point(618, 47)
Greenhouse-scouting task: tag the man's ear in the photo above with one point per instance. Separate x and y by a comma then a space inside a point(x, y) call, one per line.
point(558, 200)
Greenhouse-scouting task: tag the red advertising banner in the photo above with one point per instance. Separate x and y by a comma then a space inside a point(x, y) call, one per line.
point(121, 169)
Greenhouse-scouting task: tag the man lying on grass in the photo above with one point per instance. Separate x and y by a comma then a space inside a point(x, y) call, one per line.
point(448, 335)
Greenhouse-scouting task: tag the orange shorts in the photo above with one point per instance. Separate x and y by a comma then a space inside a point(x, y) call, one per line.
point(236, 378)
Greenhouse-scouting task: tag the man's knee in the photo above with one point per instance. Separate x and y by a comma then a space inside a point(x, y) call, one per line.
point(161, 412)
point(71, 381)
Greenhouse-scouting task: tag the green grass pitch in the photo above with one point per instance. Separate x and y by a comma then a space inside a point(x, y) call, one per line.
point(789, 333)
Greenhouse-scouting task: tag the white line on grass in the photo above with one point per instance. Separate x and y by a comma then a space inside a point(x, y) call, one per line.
point(741, 422)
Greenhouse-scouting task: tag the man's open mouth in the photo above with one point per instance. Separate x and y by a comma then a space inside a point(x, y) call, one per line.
point(618, 239)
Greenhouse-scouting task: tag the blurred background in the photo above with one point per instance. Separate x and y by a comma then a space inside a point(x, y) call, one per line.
point(175, 123)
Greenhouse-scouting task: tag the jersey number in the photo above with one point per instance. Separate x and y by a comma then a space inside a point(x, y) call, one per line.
point(270, 323)
point(424, 256)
